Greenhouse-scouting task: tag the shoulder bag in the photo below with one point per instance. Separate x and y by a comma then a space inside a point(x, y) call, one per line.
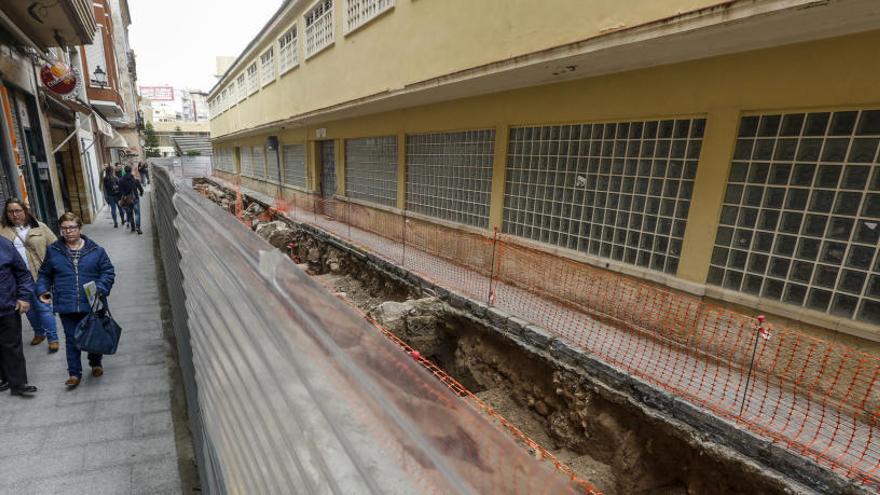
point(98, 332)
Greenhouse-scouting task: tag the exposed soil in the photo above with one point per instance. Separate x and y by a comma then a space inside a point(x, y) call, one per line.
point(616, 449)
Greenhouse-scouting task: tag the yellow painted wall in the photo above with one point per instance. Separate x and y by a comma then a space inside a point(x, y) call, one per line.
point(419, 40)
point(826, 74)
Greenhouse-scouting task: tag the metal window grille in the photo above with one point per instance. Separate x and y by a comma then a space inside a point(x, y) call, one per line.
point(267, 66)
point(800, 222)
point(294, 156)
point(253, 79)
point(288, 58)
point(614, 190)
point(449, 175)
point(359, 12)
point(371, 169)
point(242, 88)
point(328, 169)
point(319, 27)
point(259, 157)
point(247, 162)
point(273, 170)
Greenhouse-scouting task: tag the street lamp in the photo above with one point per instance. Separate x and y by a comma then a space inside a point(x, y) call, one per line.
point(99, 77)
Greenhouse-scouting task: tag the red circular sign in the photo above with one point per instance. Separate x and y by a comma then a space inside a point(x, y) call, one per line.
point(59, 78)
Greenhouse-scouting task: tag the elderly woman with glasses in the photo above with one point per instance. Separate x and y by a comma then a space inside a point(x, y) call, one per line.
point(31, 238)
point(71, 263)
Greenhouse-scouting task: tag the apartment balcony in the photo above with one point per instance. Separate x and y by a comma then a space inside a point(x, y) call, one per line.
point(48, 24)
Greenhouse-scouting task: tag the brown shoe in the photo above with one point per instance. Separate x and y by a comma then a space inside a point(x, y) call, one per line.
point(53, 347)
point(37, 340)
point(72, 382)
point(97, 371)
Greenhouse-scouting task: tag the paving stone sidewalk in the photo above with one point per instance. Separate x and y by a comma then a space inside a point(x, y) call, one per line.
point(113, 434)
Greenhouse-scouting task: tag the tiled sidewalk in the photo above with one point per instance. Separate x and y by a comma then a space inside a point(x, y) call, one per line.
point(113, 434)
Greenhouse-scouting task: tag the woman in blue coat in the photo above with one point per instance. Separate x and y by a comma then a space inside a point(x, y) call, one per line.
point(70, 263)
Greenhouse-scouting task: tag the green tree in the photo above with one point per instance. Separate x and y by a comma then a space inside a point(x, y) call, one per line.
point(177, 130)
point(151, 142)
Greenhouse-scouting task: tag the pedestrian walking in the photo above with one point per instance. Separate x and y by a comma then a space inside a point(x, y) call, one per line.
point(144, 173)
point(130, 191)
point(31, 239)
point(16, 289)
point(70, 264)
point(111, 193)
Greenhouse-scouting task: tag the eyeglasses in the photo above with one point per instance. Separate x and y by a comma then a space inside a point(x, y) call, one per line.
point(15, 212)
point(69, 229)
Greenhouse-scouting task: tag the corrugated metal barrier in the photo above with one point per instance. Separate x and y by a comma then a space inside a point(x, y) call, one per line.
point(290, 391)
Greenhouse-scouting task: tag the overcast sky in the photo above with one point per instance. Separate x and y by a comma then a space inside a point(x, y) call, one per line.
point(176, 41)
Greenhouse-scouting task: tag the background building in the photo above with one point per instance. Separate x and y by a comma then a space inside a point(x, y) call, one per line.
point(730, 152)
point(179, 118)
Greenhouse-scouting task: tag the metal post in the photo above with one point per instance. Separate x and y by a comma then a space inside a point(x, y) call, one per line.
point(751, 364)
point(490, 298)
point(403, 233)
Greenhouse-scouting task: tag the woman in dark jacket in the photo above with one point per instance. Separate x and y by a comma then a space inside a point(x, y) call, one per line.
point(70, 263)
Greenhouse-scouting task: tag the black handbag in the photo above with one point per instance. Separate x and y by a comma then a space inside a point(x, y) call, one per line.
point(98, 332)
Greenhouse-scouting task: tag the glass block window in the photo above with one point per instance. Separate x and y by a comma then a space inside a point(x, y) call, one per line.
point(288, 58)
point(449, 175)
point(259, 158)
point(800, 222)
point(246, 158)
point(253, 79)
point(319, 27)
point(359, 12)
point(267, 67)
point(294, 156)
point(371, 169)
point(615, 190)
point(242, 87)
point(223, 160)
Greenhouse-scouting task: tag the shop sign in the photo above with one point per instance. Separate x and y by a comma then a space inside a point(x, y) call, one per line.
point(60, 78)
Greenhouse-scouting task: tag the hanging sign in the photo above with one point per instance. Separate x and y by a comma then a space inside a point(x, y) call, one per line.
point(59, 77)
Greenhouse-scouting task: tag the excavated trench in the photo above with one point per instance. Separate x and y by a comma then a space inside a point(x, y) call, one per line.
point(604, 435)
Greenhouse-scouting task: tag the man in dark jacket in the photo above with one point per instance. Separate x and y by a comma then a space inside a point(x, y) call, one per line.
point(130, 192)
point(16, 289)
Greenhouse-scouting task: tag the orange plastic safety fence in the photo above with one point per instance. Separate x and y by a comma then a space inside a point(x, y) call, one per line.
point(817, 398)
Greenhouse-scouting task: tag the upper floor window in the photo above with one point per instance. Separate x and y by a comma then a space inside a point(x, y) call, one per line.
point(267, 66)
point(242, 87)
point(287, 55)
point(224, 97)
point(253, 81)
point(230, 97)
point(360, 12)
point(319, 27)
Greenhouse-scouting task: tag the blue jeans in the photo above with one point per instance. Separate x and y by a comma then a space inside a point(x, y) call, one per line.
point(133, 213)
point(42, 320)
point(113, 202)
point(74, 355)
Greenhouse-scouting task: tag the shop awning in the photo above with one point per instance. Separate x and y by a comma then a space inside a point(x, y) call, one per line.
point(117, 141)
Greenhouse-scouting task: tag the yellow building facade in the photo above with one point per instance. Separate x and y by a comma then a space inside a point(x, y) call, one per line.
point(728, 149)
